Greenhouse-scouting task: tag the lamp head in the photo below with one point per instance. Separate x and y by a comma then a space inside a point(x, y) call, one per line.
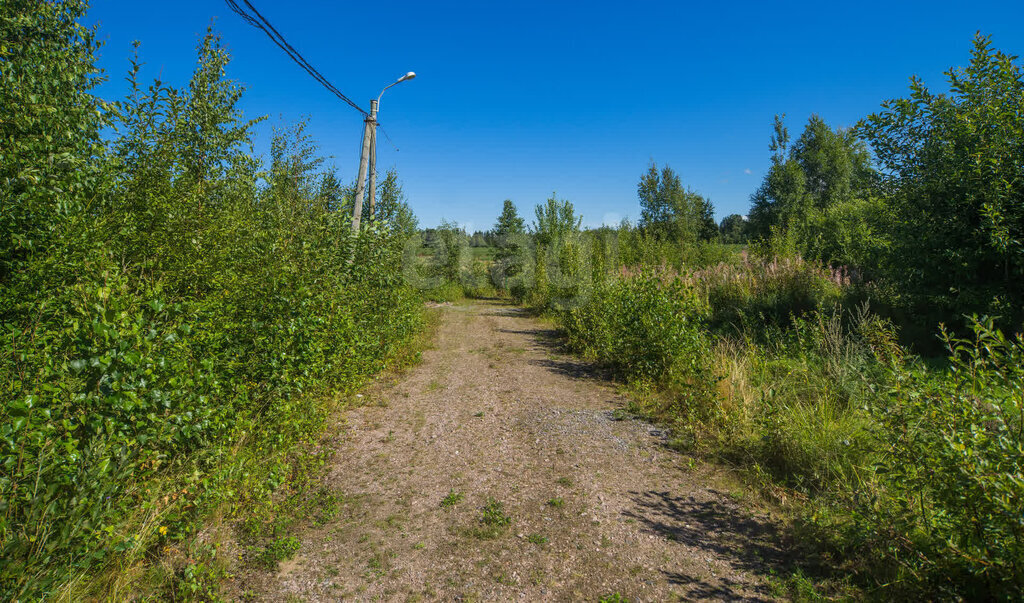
point(407, 76)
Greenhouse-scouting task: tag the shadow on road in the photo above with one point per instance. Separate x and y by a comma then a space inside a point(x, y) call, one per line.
point(572, 368)
point(723, 530)
point(548, 338)
point(560, 362)
point(727, 590)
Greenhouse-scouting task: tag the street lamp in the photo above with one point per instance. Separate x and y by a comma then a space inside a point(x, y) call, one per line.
point(407, 76)
point(369, 156)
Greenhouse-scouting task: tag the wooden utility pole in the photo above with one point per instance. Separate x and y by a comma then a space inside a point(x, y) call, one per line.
point(364, 157)
point(368, 158)
point(373, 160)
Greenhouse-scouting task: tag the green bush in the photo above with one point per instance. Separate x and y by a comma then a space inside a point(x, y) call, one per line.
point(450, 253)
point(948, 511)
point(952, 163)
point(647, 327)
point(182, 323)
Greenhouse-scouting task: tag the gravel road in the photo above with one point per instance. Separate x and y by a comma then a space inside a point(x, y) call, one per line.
point(596, 505)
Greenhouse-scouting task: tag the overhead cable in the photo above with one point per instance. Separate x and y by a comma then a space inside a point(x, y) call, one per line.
point(254, 18)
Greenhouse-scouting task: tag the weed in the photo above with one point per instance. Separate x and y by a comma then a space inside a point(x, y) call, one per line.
point(453, 498)
point(798, 587)
point(392, 522)
point(538, 577)
point(323, 506)
point(278, 550)
point(494, 514)
point(379, 564)
point(564, 481)
point(492, 522)
point(538, 539)
point(200, 579)
point(557, 502)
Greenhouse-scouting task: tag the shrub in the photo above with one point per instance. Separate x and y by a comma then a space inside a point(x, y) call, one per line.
point(648, 326)
point(511, 262)
point(948, 513)
point(451, 248)
point(188, 321)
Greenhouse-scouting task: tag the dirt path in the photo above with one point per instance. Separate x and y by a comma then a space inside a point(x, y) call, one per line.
point(597, 506)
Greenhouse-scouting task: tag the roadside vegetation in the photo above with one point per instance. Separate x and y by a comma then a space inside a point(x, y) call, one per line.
point(853, 344)
point(179, 319)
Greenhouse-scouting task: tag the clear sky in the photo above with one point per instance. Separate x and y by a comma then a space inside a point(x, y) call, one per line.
point(517, 99)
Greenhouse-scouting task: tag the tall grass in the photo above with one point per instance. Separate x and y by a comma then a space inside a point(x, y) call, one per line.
point(759, 292)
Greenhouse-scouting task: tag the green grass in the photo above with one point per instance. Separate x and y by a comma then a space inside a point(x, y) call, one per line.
point(448, 292)
point(322, 506)
point(483, 253)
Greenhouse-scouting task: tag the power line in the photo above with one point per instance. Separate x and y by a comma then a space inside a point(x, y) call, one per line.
point(390, 142)
point(254, 18)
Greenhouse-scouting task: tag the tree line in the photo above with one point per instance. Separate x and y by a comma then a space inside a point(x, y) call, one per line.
point(923, 199)
point(922, 202)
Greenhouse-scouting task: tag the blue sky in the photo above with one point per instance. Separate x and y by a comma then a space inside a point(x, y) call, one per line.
point(516, 100)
